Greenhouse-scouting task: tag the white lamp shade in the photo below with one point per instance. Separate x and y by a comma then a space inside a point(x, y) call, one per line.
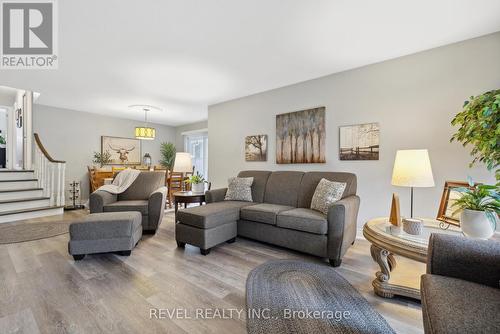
point(183, 163)
point(412, 168)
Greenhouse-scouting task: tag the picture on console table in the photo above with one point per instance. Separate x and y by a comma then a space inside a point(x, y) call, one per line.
point(301, 136)
point(359, 142)
point(124, 151)
point(256, 148)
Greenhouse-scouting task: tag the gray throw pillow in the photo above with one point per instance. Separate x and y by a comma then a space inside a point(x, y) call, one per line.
point(239, 189)
point(327, 193)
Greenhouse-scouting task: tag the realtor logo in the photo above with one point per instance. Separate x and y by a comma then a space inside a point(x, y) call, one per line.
point(29, 34)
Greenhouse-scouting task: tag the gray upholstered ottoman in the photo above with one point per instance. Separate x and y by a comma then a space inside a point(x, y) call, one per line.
point(208, 225)
point(105, 232)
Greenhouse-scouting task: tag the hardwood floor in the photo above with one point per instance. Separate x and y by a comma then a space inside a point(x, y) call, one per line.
point(42, 290)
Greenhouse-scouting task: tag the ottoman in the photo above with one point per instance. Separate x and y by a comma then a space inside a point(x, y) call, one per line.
point(105, 232)
point(208, 225)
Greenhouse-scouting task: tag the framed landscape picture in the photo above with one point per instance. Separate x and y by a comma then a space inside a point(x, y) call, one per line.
point(447, 213)
point(124, 151)
point(359, 142)
point(256, 148)
point(301, 136)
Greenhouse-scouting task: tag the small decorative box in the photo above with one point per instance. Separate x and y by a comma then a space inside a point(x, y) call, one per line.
point(413, 226)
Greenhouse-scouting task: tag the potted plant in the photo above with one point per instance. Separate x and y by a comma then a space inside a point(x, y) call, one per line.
point(167, 151)
point(102, 159)
point(197, 183)
point(479, 205)
point(479, 126)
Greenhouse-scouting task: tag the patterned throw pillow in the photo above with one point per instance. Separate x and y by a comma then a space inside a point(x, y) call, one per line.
point(239, 189)
point(327, 193)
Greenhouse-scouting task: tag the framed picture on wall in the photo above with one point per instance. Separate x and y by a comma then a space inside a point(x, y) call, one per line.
point(301, 137)
point(124, 151)
point(359, 142)
point(256, 148)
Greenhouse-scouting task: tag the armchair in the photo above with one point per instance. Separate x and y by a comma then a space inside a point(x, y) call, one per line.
point(147, 195)
point(461, 290)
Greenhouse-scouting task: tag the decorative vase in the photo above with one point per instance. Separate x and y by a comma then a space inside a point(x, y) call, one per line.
point(475, 224)
point(198, 187)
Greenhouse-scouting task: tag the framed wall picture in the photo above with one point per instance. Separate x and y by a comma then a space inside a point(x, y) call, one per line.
point(301, 137)
point(256, 148)
point(446, 212)
point(359, 142)
point(124, 151)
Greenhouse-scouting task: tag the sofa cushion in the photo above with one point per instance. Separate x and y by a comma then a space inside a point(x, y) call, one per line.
point(145, 184)
point(239, 189)
point(283, 188)
point(305, 220)
point(137, 205)
point(259, 183)
point(451, 305)
point(212, 214)
point(263, 213)
point(310, 182)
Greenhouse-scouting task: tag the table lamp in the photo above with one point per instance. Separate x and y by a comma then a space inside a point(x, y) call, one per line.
point(183, 164)
point(412, 168)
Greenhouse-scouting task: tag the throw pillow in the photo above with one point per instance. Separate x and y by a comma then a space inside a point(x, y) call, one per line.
point(239, 189)
point(326, 193)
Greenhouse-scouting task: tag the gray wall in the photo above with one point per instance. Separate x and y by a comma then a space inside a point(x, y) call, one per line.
point(413, 98)
point(179, 138)
point(73, 136)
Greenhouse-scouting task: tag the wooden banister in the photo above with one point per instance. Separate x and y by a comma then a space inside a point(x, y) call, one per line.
point(44, 151)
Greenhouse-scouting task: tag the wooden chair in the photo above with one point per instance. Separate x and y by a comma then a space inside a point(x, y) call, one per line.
point(93, 184)
point(175, 181)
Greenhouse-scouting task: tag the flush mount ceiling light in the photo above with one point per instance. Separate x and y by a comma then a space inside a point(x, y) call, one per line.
point(144, 132)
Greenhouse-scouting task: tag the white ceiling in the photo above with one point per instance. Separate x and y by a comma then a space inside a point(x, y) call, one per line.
point(184, 55)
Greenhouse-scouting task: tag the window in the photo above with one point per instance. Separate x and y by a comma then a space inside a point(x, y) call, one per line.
point(197, 145)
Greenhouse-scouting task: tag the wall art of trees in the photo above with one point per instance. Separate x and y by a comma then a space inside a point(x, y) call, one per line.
point(256, 148)
point(300, 137)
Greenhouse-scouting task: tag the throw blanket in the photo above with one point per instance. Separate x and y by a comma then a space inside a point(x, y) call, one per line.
point(121, 182)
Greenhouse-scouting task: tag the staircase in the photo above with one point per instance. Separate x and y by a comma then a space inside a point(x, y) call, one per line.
point(27, 194)
point(22, 198)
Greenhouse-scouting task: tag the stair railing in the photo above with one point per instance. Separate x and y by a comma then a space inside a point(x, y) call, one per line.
point(49, 173)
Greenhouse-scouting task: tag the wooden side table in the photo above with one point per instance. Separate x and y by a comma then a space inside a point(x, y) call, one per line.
point(187, 197)
point(386, 242)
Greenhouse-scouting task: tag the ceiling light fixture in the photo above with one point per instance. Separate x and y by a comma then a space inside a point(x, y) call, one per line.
point(145, 132)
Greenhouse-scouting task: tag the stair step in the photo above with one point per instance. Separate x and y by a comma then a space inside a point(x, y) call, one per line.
point(14, 215)
point(18, 184)
point(23, 203)
point(16, 171)
point(16, 175)
point(20, 193)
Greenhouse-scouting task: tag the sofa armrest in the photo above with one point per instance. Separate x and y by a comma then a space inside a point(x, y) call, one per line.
point(468, 259)
point(98, 199)
point(216, 195)
point(156, 207)
point(342, 226)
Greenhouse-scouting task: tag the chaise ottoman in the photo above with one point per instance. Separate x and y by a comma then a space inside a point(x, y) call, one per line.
point(208, 225)
point(105, 232)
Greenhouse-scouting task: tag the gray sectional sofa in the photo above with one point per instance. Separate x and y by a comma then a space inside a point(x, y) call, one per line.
point(279, 214)
point(147, 195)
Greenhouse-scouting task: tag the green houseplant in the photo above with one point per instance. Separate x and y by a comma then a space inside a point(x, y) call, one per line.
point(167, 151)
point(479, 126)
point(197, 182)
point(480, 206)
point(102, 158)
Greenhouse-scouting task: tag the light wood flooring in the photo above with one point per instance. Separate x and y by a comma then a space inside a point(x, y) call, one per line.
point(42, 290)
